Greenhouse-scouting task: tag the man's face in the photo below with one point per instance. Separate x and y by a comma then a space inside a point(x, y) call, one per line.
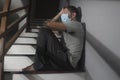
point(70, 14)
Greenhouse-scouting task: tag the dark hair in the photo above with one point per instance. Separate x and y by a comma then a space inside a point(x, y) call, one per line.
point(76, 10)
point(72, 9)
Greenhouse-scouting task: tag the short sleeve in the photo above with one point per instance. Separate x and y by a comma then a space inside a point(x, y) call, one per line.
point(71, 26)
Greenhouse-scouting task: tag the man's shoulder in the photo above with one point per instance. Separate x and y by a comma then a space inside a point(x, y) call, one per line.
point(73, 23)
point(73, 26)
point(77, 23)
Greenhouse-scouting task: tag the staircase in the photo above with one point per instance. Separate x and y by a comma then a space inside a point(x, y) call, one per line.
point(21, 54)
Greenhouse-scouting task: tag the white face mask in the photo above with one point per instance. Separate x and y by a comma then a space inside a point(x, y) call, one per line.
point(65, 18)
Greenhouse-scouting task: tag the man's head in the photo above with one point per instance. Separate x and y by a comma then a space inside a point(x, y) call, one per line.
point(71, 12)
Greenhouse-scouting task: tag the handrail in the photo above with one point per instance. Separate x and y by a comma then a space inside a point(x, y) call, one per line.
point(104, 52)
point(3, 25)
point(4, 13)
point(2, 30)
point(15, 22)
point(17, 9)
point(2, 34)
point(12, 24)
point(5, 29)
point(11, 41)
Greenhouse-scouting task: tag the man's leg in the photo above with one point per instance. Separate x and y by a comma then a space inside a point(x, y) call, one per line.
point(40, 51)
point(56, 55)
point(50, 51)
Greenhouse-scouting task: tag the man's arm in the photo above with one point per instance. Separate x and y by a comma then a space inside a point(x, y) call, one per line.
point(56, 26)
point(57, 16)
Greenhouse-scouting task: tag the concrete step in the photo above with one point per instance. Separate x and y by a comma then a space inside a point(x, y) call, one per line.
point(36, 27)
point(25, 41)
point(56, 76)
point(21, 50)
point(16, 63)
point(35, 30)
point(28, 34)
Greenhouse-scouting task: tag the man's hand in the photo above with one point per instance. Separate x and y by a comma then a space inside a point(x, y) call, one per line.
point(45, 23)
point(61, 12)
point(58, 15)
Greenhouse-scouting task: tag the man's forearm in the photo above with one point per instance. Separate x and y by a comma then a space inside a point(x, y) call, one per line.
point(56, 26)
point(56, 17)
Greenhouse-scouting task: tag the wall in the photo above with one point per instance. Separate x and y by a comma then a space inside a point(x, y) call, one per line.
point(97, 68)
point(102, 18)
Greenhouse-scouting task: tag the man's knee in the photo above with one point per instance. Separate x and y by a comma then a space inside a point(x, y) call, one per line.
point(44, 30)
point(42, 33)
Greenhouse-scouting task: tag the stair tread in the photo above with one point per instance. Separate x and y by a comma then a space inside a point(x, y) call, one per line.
point(16, 63)
point(34, 30)
point(21, 50)
point(26, 41)
point(36, 27)
point(57, 76)
point(27, 34)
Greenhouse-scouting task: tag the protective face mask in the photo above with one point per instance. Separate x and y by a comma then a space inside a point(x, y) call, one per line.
point(65, 18)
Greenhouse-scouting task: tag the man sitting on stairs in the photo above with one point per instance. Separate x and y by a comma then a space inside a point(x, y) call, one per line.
point(52, 54)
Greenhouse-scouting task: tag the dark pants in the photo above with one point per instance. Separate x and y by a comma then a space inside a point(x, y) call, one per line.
point(50, 53)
